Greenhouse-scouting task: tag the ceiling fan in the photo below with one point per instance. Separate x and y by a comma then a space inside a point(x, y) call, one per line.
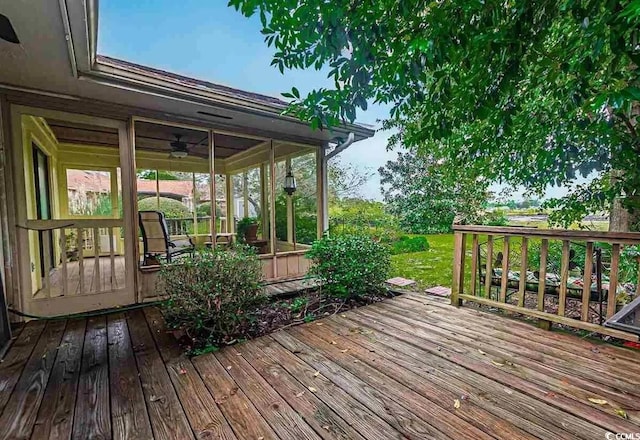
point(178, 148)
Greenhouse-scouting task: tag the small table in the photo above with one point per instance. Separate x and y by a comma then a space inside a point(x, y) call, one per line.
point(229, 237)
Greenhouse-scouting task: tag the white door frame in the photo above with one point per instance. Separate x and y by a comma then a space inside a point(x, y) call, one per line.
point(72, 303)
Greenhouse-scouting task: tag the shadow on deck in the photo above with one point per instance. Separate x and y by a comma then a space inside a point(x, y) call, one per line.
point(408, 367)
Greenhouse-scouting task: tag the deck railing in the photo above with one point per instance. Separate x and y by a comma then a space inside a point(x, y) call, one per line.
point(538, 272)
point(83, 257)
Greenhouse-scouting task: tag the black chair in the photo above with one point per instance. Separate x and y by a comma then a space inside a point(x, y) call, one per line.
point(156, 239)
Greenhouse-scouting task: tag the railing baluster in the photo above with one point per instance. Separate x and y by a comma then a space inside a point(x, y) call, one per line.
point(63, 259)
point(112, 258)
point(542, 274)
point(586, 279)
point(561, 271)
point(488, 273)
point(474, 265)
point(459, 249)
point(613, 280)
point(46, 245)
point(80, 246)
point(96, 259)
point(505, 270)
point(564, 277)
point(522, 286)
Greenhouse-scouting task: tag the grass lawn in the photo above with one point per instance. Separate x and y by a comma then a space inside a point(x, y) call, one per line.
point(428, 268)
point(435, 266)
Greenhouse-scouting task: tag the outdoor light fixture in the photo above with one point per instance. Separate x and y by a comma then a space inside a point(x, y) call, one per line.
point(178, 148)
point(289, 182)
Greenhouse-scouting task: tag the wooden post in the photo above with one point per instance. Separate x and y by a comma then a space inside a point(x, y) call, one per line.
point(542, 277)
point(488, 272)
point(231, 224)
point(264, 200)
point(564, 277)
point(474, 265)
point(289, 207)
point(459, 248)
point(212, 183)
point(272, 201)
point(127, 139)
point(586, 288)
point(613, 280)
point(522, 286)
point(504, 282)
point(245, 194)
point(322, 191)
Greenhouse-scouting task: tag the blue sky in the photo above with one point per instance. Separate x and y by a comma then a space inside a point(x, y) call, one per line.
point(205, 39)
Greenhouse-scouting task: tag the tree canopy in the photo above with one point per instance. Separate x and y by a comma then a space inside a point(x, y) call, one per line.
point(416, 193)
point(523, 92)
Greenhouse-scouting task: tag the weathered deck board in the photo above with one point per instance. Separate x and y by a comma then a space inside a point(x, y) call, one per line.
point(390, 370)
point(168, 419)
point(55, 417)
point(21, 411)
point(129, 416)
point(204, 415)
point(92, 413)
point(16, 358)
point(234, 404)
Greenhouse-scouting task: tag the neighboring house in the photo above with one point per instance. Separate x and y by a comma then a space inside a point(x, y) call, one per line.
point(64, 107)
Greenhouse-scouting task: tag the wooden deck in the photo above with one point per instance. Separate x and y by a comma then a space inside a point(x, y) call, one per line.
point(408, 367)
point(104, 280)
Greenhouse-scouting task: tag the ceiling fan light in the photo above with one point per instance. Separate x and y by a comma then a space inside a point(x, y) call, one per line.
point(179, 154)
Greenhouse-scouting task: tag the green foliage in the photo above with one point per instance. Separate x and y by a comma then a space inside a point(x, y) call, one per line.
point(204, 210)
point(417, 192)
point(213, 294)
point(170, 207)
point(358, 216)
point(521, 92)
point(408, 244)
point(494, 218)
point(306, 218)
point(243, 225)
point(298, 304)
point(429, 268)
point(349, 266)
point(161, 175)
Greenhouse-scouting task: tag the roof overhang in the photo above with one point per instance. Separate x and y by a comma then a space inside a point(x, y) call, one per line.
point(73, 35)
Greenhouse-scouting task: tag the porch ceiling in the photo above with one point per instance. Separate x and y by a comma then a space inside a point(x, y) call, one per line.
point(152, 137)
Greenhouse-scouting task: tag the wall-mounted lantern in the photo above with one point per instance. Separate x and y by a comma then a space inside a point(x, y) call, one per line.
point(289, 182)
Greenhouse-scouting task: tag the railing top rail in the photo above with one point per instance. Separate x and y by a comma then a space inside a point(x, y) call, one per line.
point(560, 234)
point(73, 223)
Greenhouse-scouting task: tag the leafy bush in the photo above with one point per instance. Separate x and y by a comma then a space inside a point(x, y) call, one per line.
point(170, 207)
point(407, 244)
point(243, 225)
point(213, 294)
point(494, 218)
point(204, 210)
point(349, 265)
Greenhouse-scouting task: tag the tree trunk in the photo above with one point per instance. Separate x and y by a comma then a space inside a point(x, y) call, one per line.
point(618, 217)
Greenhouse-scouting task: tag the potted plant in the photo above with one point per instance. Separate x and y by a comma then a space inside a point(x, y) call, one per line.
point(248, 229)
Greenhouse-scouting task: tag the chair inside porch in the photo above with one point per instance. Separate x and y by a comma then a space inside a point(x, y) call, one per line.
point(408, 367)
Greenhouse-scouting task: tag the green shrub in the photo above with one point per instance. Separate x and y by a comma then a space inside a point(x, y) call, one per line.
point(494, 218)
point(213, 294)
point(349, 265)
point(170, 207)
point(407, 244)
point(204, 210)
